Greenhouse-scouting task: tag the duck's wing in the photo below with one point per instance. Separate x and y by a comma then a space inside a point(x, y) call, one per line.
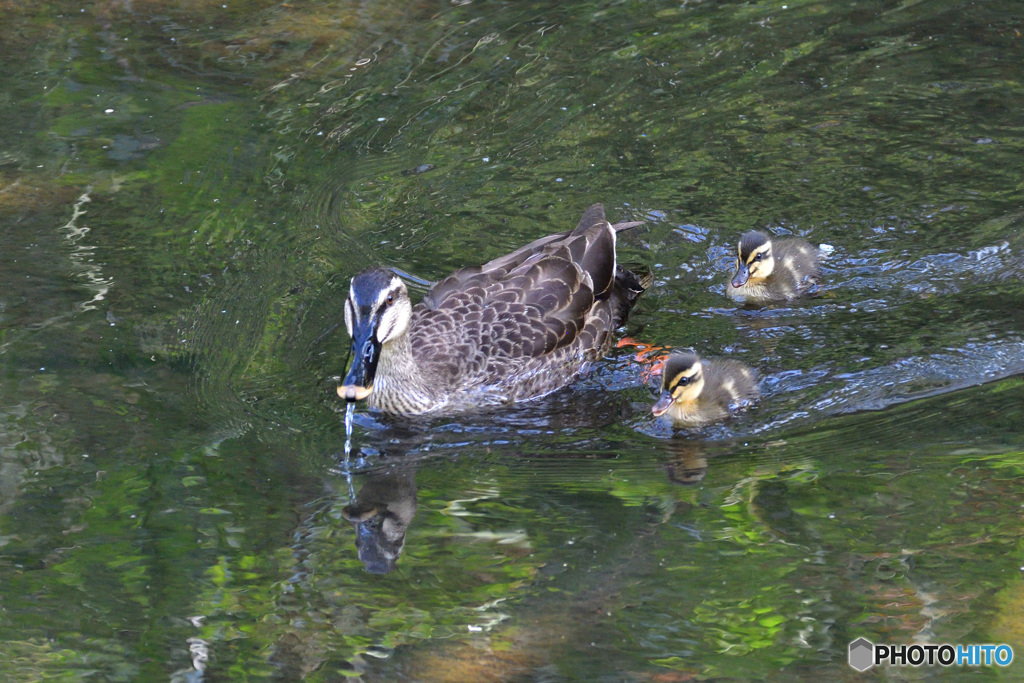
point(591, 245)
point(532, 301)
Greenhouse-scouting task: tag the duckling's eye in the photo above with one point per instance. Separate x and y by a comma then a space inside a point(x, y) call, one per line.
point(758, 256)
point(683, 381)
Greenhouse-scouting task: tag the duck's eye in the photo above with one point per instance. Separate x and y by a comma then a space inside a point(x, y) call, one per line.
point(391, 299)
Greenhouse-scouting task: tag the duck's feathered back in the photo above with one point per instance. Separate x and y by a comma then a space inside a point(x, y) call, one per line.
point(590, 247)
point(524, 324)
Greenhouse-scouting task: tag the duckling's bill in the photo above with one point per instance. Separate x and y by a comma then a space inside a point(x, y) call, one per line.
point(663, 403)
point(741, 276)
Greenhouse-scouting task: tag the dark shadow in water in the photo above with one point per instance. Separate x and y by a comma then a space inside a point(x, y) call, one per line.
point(688, 462)
point(381, 514)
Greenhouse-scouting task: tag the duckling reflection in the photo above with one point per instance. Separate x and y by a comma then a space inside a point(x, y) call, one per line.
point(773, 269)
point(697, 391)
point(381, 513)
point(688, 463)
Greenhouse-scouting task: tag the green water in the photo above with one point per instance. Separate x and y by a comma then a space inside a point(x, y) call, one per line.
point(185, 190)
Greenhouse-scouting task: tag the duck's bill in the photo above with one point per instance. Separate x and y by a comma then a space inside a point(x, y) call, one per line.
point(741, 276)
point(663, 404)
point(358, 383)
point(351, 392)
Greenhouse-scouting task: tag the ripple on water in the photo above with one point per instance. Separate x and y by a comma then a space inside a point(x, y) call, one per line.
point(901, 381)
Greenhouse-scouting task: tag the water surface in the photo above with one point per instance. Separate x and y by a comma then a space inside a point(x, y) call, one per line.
point(185, 191)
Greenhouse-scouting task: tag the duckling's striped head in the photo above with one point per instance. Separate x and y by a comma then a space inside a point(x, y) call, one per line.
point(754, 259)
point(682, 380)
point(377, 311)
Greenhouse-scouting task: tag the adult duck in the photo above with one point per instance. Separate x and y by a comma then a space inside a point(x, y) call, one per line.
point(516, 328)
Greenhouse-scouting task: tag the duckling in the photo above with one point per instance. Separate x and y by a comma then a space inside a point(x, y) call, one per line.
point(776, 269)
point(696, 391)
point(516, 328)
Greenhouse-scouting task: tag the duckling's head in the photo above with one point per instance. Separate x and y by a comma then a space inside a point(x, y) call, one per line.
point(377, 311)
point(682, 380)
point(754, 258)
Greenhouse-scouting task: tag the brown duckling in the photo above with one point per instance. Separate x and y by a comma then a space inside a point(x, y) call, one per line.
point(773, 269)
point(696, 391)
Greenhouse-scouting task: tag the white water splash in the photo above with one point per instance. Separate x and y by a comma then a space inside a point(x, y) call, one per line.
point(82, 255)
point(350, 412)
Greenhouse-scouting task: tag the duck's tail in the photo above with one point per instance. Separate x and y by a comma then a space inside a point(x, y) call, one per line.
point(626, 225)
point(627, 289)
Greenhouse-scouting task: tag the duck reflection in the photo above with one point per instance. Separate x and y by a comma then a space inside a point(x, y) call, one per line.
point(381, 513)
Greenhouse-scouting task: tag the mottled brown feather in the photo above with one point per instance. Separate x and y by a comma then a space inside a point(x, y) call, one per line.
point(519, 326)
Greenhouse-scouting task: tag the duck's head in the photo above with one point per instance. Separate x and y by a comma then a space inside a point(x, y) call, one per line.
point(377, 311)
point(682, 380)
point(754, 258)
